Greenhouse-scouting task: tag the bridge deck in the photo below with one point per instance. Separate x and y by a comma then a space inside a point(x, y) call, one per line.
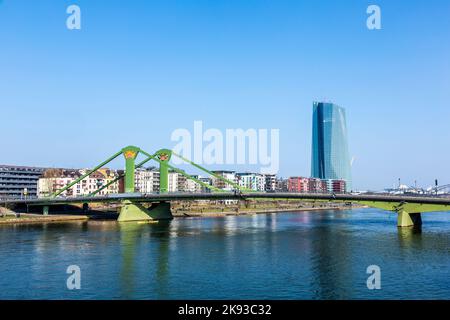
point(137, 197)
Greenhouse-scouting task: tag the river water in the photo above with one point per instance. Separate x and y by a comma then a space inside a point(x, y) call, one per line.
point(303, 255)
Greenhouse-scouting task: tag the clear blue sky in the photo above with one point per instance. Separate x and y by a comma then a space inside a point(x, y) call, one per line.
point(65, 95)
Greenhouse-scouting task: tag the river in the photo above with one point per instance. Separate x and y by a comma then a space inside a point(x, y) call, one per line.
point(301, 255)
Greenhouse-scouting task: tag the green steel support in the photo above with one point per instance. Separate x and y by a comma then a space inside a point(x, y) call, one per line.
point(164, 157)
point(130, 153)
point(160, 211)
point(406, 219)
point(134, 211)
point(139, 165)
point(70, 185)
point(45, 210)
point(409, 214)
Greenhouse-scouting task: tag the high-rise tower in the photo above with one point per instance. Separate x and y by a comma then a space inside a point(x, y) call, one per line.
point(330, 158)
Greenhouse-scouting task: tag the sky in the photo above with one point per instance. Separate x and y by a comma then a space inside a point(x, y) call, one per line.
point(138, 70)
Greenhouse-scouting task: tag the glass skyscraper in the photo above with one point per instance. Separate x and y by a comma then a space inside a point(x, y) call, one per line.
point(330, 157)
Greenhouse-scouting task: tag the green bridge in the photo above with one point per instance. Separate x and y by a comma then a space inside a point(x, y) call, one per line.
point(408, 208)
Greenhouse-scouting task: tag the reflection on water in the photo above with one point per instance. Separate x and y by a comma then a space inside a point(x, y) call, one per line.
point(409, 237)
point(305, 255)
point(131, 235)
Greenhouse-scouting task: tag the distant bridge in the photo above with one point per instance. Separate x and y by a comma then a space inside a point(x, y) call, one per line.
point(440, 189)
point(408, 208)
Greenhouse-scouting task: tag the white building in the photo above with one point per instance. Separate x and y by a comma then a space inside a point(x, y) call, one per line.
point(177, 182)
point(146, 180)
point(173, 182)
point(252, 181)
point(336, 186)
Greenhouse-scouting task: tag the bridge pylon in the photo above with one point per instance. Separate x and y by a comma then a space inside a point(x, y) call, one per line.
point(408, 214)
point(134, 211)
point(406, 219)
point(130, 154)
point(164, 156)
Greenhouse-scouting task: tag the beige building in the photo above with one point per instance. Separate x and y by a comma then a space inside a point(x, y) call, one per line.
point(192, 186)
point(179, 183)
point(53, 180)
point(220, 184)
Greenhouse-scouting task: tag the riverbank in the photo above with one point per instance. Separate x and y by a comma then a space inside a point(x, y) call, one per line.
point(38, 218)
point(251, 212)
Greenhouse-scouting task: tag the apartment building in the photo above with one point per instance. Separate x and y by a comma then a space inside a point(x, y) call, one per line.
point(282, 185)
point(315, 185)
point(177, 182)
point(147, 180)
point(192, 186)
point(270, 182)
point(336, 186)
point(205, 180)
point(252, 181)
point(17, 182)
point(220, 184)
point(298, 184)
point(53, 180)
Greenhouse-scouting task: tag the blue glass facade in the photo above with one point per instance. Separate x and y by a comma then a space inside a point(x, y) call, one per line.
point(330, 155)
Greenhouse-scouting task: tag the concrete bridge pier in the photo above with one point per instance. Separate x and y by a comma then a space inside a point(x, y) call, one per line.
point(134, 211)
point(406, 219)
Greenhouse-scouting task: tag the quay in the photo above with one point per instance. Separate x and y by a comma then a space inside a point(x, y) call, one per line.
point(26, 218)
